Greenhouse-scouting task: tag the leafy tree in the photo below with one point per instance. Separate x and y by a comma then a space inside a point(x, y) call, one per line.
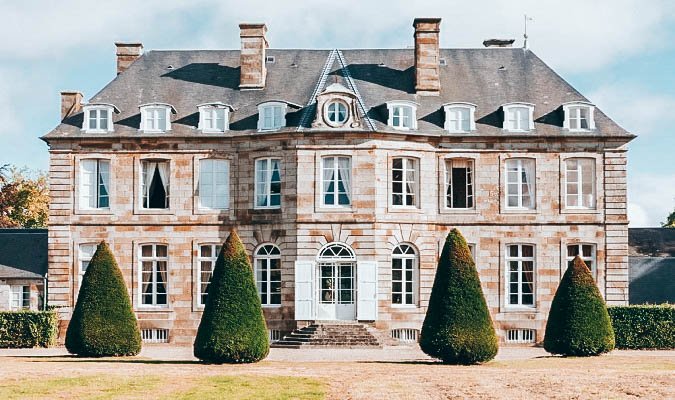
point(578, 323)
point(670, 221)
point(103, 322)
point(458, 328)
point(24, 198)
point(232, 329)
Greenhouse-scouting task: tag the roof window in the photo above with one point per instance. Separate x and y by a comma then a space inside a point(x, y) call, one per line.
point(579, 116)
point(459, 117)
point(214, 117)
point(402, 115)
point(518, 117)
point(98, 117)
point(156, 117)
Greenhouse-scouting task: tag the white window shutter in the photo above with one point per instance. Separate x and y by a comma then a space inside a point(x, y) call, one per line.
point(366, 305)
point(304, 290)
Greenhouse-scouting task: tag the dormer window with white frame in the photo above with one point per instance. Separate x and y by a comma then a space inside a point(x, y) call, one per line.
point(156, 117)
point(214, 117)
point(518, 117)
point(272, 115)
point(98, 118)
point(579, 116)
point(459, 117)
point(402, 115)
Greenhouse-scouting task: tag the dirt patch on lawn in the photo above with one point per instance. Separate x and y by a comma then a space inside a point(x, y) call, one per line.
point(624, 375)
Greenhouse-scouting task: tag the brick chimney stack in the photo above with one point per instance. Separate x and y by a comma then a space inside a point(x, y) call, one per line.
point(127, 53)
point(71, 103)
point(252, 58)
point(427, 56)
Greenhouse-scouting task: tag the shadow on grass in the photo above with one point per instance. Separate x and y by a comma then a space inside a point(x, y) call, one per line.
point(406, 362)
point(76, 359)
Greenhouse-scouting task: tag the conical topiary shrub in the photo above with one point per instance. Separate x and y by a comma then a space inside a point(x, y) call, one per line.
point(578, 323)
point(103, 322)
point(457, 328)
point(232, 329)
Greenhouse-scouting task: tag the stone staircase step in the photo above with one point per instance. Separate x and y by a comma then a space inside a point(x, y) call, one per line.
point(329, 334)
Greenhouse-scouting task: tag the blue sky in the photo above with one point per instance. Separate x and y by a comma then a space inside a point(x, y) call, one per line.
point(619, 53)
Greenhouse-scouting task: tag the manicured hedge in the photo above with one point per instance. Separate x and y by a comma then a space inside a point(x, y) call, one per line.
point(21, 329)
point(644, 326)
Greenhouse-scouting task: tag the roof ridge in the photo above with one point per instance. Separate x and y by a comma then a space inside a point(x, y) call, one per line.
point(319, 84)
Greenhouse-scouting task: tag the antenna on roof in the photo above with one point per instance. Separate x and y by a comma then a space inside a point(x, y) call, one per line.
point(525, 45)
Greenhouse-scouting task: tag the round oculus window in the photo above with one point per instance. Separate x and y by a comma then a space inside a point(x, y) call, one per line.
point(337, 112)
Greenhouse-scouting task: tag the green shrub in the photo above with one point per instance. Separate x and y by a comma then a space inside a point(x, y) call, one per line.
point(232, 329)
point(644, 326)
point(103, 322)
point(457, 328)
point(578, 323)
point(21, 329)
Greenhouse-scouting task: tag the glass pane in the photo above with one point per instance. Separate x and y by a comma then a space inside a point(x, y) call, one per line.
point(206, 251)
point(161, 251)
point(146, 251)
point(528, 251)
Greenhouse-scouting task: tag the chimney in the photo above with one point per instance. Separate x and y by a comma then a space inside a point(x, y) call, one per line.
point(427, 80)
point(498, 42)
point(127, 53)
point(252, 58)
point(71, 103)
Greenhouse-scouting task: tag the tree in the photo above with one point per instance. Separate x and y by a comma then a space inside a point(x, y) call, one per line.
point(458, 328)
point(670, 221)
point(103, 322)
point(232, 329)
point(578, 323)
point(24, 198)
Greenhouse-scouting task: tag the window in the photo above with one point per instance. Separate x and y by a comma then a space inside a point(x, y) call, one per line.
point(19, 297)
point(336, 181)
point(404, 182)
point(520, 275)
point(214, 187)
point(94, 184)
point(520, 336)
point(98, 118)
point(154, 262)
point(155, 184)
point(459, 117)
point(405, 335)
point(268, 274)
point(404, 275)
point(268, 183)
point(272, 116)
point(459, 183)
point(208, 254)
point(86, 252)
point(336, 112)
point(154, 335)
point(579, 116)
point(155, 117)
point(586, 252)
point(520, 187)
point(580, 183)
point(214, 117)
point(402, 115)
point(518, 117)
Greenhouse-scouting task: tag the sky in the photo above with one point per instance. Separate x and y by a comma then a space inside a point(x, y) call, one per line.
point(618, 53)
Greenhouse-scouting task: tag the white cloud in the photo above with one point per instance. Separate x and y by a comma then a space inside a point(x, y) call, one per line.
point(651, 197)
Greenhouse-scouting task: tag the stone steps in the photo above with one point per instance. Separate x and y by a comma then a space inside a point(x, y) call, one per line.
point(323, 334)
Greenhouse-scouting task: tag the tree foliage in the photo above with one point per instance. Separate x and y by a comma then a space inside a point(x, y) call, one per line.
point(578, 323)
point(232, 328)
point(458, 328)
point(103, 322)
point(670, 221)
point(24, 198)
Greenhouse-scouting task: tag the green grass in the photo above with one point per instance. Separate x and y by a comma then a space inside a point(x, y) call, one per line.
point(254, 387)
point(142, 387)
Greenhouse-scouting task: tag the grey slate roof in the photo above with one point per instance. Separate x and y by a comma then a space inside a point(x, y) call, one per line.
point(487, 77)
point(23, 250)
point(16, 273)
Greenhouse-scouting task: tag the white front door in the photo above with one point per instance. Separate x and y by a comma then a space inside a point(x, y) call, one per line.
point(337, 291)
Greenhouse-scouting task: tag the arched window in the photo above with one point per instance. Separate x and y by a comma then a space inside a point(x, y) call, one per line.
point(336, 251)
point(267, 261)
point(404, 275)
point(336, 112)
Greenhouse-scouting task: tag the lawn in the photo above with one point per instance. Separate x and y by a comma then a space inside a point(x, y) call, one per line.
point(390, 373)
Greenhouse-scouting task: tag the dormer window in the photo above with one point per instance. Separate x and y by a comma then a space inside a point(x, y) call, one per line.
point(459, 117)
point(336, 112)
point(402, 115)
point(98, 118)
point(272, 115)
point(214, 117)
point(156, 117)
point(579, 116)
point(518, 117)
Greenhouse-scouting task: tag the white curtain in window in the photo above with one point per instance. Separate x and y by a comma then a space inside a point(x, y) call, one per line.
point(148, 172)
point(528, 171)
point(88, 184)
point(345, 173)
point(261, 183)
point(163, 168)
point(104, 178)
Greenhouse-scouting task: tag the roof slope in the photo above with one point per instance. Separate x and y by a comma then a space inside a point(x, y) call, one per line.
point(486, 77)
point(24, 249)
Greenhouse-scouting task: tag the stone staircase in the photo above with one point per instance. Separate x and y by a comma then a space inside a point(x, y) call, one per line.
point(329, 334)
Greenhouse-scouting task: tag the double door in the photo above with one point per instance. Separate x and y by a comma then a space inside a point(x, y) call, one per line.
point(337, 291)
